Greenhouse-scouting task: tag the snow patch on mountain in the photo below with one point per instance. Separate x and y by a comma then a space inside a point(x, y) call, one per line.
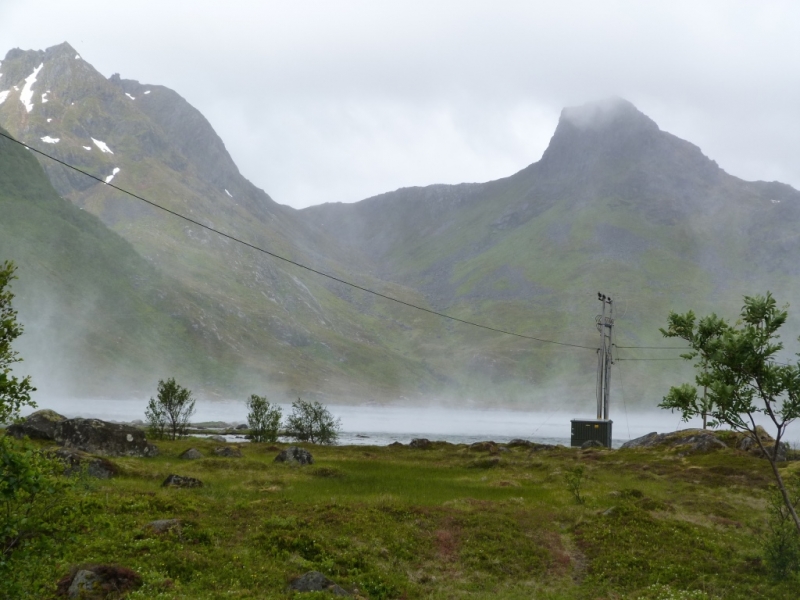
point(229, 194)
point(87, 147)
point(3, 95)
point(49, 140)
point(129, 96)
point(103, 146)
point(78, 56)
point(44, 97)
point(26, 96)
point(114, 172)
point(48, 120)
point(147, 92)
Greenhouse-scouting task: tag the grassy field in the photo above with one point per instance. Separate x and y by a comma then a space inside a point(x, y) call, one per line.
point(443, 522)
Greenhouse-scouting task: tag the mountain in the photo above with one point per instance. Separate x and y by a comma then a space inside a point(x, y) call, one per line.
point(615, 204)
point(265, 324)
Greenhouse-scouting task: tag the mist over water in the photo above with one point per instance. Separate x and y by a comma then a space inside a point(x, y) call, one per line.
point(382, 425)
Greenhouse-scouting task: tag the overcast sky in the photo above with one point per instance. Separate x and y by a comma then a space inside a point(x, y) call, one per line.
point(339, 100)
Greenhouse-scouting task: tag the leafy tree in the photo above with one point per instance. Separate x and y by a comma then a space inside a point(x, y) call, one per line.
point(264, 419)
point(14, 392)
point(738, 369)
point(312, 422)
point(169, 414)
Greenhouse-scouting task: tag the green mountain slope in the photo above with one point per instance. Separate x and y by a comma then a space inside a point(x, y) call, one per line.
point(96, 314)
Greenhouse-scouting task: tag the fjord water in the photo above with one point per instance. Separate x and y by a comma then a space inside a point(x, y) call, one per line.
point(372, 425)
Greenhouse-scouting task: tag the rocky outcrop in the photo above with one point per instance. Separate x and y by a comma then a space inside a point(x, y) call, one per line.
point(592, 444)
point(76, 461)
point(295, 455)
point(100, 437)
point(484, 447)
point(688, 441)
point(420, 443)
point(314, 581)
point(180, 481)
point(40, 425)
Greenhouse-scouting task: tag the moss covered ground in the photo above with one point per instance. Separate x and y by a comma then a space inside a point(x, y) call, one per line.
point(442, 522)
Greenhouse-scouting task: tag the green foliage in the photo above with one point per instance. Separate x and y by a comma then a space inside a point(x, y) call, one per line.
point(169, 414)
point(263, 418)
point(739, 371)
point(781, 541)
point(574, 479)
point(14, 392)
point(312, 422)
point(38, 508)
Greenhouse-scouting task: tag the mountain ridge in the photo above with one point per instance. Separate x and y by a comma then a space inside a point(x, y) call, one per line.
point(613, 204)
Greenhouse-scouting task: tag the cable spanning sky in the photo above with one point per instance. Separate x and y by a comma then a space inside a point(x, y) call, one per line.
point(337, 100)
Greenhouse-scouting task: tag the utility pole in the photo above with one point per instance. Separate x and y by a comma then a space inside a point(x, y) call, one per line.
point(605, 325)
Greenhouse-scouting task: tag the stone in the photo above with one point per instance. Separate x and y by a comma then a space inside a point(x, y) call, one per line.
point(395, 445)
point(76, 461)
point(104, 438)
point(181, 481)
point(96, 582)
point(163, 525)
point(191, 454)
point(314, 581)
point(40, 425)
point(592, 444)
point(218, 438)
point(295, 455)
point(243, 426)
point(83, 584)
point(420, 443)
point(228, 452)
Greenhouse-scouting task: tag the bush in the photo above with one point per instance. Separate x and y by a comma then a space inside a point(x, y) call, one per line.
point(781, 541)
point(312, 422)
point(169, 414)
point(263, 418)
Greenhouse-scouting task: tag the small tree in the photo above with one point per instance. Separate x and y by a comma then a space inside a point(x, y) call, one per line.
point(14, 392)
point(312, 422)
point(170, 413)
point(738, 369)
point(264, 419)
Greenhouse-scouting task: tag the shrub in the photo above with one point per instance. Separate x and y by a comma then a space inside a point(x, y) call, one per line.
point(263, 418)
point(14, 392)
point(312, 422)
point(170, 413)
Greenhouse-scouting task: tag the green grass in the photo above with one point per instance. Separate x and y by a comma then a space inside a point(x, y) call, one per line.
point(446, 522)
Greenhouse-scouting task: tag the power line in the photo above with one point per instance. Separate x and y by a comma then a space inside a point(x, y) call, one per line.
point(297, 264)
point(618, 359)
point(655, 347)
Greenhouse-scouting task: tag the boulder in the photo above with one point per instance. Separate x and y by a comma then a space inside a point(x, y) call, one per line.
point(519, 443)
point(314, 581)
point(180, 481)
point(76, 461)
point(191, 454)
point(295, 455)
point(40, 425)
point(484, 447)
point(163, 525)
point(228, 451)
point(98, 581)
point(104, 438)
point(748, 443)
point(218, 438)
point(420, 443)
point(395, 445)
point(243, 426)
